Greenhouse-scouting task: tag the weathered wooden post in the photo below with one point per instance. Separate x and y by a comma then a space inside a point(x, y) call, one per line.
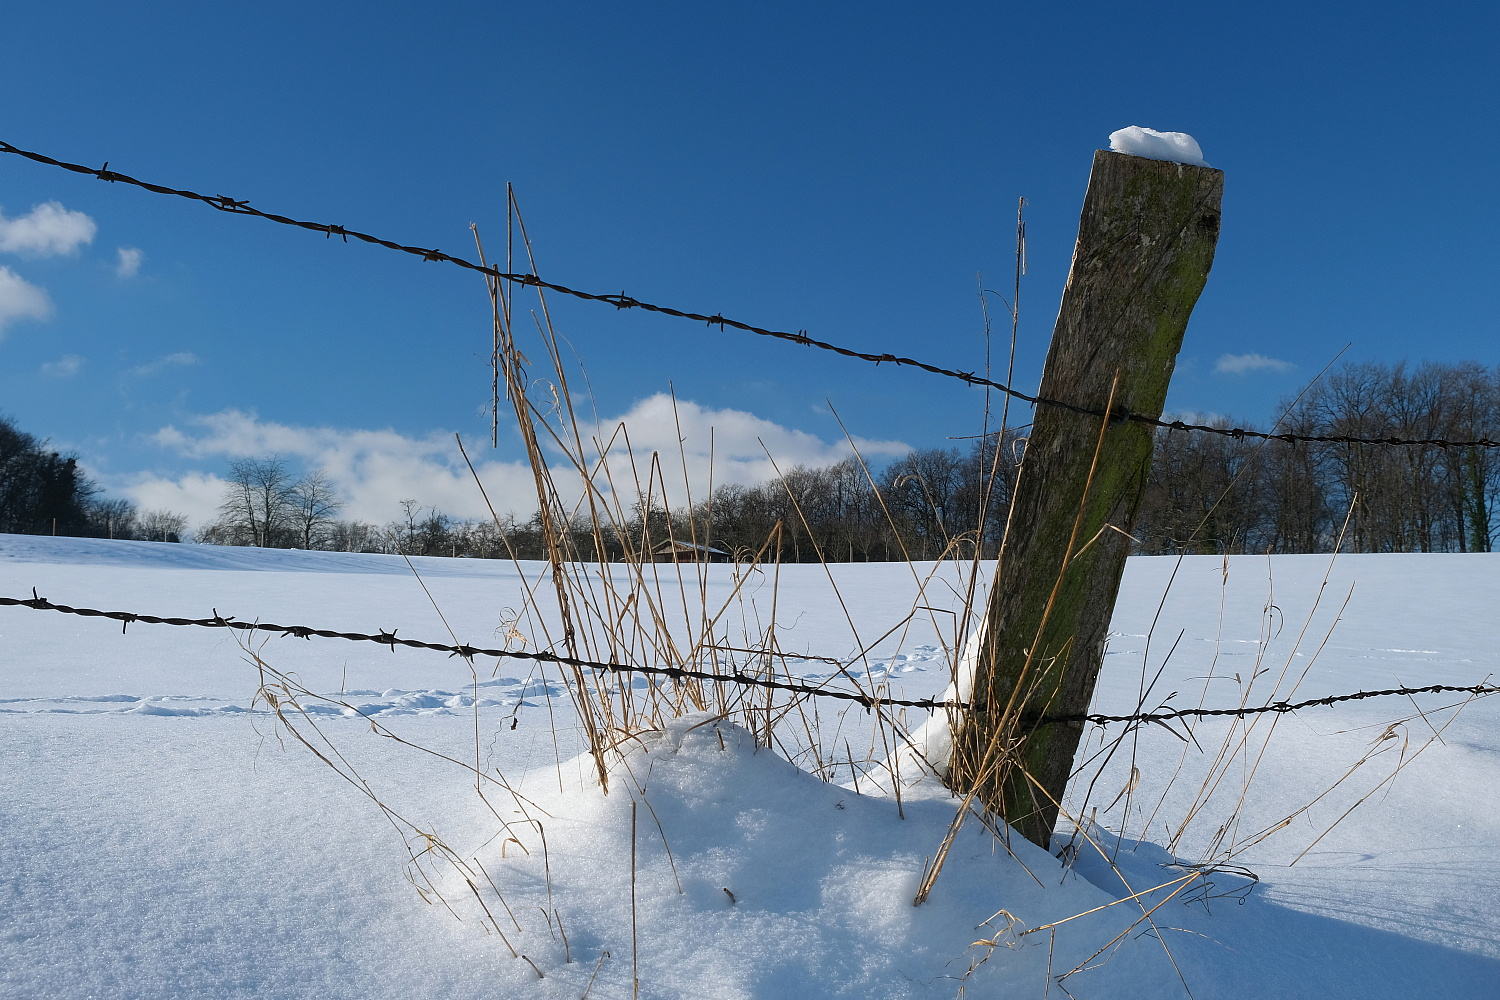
point(1146, 241)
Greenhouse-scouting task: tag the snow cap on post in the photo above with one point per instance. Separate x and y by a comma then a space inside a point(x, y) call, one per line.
point(1178, 147)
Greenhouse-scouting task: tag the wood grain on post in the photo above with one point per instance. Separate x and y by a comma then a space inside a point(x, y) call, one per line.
point(1146, 242)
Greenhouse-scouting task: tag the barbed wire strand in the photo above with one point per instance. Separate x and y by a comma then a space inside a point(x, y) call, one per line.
point(867, 701)
point(234, 206)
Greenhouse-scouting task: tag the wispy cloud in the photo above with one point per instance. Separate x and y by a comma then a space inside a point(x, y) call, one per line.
point(68, 364)
point(129, 263)
point(20, 299)
point(180, 359)
point(46, 231)
point(376, 469)
point(1244, 364)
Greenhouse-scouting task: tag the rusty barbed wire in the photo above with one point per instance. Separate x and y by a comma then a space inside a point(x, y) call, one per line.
point(867, 701)
point(224, 203)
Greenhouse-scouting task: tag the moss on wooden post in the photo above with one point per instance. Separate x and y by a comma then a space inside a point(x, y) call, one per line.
point(1146, 242)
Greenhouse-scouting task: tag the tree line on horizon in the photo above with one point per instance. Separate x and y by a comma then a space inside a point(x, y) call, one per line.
point(1211, 493)
point(1207, 493)
point(914, 507)
point(43, 492)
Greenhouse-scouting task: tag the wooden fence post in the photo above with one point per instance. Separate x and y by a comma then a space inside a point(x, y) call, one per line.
point(1146, 241)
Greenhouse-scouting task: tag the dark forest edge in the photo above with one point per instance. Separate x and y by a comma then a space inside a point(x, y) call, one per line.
point(1207, 493)
point(43, 492)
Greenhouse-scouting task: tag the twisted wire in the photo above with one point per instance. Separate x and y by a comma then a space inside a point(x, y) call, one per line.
point(867, 701)
point(234, 206)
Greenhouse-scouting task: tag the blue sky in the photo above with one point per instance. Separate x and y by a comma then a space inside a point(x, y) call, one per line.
point(845, 169)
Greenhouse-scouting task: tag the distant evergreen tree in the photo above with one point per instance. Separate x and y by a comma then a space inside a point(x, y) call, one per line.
point(41, 492)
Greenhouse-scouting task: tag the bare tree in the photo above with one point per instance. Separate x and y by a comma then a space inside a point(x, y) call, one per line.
point(355, 536)
point(314, 503)
point(161, 526)
point(114, 518)
point(404, 532)
point(258, 501)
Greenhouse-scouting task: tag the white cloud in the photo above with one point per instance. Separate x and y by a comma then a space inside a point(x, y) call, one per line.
point(129, 263)
point(68, 364)
point(375, 470)
point(733, 438)
point(19, 298)
point(181, 359)
point(196, 494)
point(1243, 364)
point(45, 231)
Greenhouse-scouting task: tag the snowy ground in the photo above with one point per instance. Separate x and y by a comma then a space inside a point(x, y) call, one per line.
point(157, 840)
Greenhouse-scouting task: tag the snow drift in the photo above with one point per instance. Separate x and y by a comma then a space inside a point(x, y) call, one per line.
point(186, 853)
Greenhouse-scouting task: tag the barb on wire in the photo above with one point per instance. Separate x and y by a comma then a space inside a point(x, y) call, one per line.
point(620, 300)
point(389, 638)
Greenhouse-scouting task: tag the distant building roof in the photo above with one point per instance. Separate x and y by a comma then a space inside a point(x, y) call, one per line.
point(676, 546)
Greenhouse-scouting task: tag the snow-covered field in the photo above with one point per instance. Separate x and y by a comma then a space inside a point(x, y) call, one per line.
point(158, 839)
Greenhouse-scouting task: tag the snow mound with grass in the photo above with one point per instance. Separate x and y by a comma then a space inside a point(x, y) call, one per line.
point(162, 841)
point(780, 885)
point(777, 884)
point(1178, 147)
point(920, 763)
